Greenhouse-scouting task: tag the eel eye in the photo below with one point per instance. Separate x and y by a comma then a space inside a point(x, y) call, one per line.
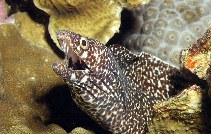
point(84, 43)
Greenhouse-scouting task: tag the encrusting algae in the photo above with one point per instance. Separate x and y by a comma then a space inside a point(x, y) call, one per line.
point(197, 57)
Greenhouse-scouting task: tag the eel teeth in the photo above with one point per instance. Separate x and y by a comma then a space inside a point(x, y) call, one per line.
point(72, 60)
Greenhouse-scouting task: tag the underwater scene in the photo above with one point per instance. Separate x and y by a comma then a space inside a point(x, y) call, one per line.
point(105, 66)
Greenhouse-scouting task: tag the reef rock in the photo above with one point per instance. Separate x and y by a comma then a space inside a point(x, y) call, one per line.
point(168, 26)
point(181, 114)
point(197, 56)
point(98, 19)
point(208, 76)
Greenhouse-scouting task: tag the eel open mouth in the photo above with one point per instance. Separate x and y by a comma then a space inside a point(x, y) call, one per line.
point(72, 60)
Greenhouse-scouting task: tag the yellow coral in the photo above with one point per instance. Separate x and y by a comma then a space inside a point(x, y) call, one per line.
point(25, 25)
point(22, 80)
point(98, 19)
point(132, 3)
point(80, 130)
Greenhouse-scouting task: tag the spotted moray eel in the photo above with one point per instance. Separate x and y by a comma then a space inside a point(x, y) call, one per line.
point(113, 86)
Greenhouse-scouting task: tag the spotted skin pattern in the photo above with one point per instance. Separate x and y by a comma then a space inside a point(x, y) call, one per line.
point(115, 87)
point(148, 72)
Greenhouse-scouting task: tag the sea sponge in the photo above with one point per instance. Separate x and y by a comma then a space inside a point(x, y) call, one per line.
point(98, 19)
point(3, 10)
point(174, 24)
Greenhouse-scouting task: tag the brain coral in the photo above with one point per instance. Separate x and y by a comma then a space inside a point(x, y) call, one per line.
point(168, 26)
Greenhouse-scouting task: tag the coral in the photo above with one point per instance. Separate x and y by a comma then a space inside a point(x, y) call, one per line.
point(132, 3)
point(25, 24)
point(180, 114)
point(98, 19)
point(22, 81)
point(197, 56)
point(171, 25)
point(80, 130)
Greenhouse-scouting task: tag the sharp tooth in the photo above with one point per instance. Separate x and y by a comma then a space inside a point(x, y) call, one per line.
point(67, 54)
point(84, 55)
point(73, 77)
point(63, 46)
point(84, 79)
point(74, 57)
point(67, 49)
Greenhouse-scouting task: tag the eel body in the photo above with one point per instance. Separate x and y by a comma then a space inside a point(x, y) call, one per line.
point(113, 86)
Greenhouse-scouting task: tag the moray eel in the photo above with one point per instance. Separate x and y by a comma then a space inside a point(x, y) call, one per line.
point(113, 86)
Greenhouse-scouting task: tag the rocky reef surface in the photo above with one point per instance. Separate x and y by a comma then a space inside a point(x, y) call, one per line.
point(182, 114)
point(33, 99)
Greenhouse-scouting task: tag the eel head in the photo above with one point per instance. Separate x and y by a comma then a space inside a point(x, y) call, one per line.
point(94, 77)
